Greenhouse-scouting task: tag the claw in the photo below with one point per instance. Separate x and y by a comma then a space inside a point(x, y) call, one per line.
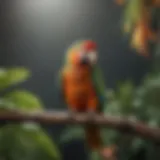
point(72, 114)
point(91, 115)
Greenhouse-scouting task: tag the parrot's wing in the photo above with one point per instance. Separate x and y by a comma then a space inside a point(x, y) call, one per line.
point(99, 85)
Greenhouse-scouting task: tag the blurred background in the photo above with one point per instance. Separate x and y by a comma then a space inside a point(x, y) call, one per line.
point(36, 33)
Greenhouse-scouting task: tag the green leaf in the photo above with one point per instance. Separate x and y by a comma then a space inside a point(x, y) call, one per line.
point(5, 104)
point(110, 94)
point(95, 156)
point(137, 143)
point(125, 96)
point(151, 96)
point(24, 100)
point(109, 136)
point(25, 143)
point(71, 133)
point(44, 142)
point(113, 108)
point(132, 13)
point(12, 76)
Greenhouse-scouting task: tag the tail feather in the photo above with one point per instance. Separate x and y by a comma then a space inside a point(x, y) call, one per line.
point(93, 137)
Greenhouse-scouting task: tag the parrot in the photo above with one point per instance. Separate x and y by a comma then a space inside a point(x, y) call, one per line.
point(82, 86)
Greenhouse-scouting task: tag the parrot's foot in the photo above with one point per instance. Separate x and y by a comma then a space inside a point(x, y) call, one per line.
point(72, 114)
point(91, 115)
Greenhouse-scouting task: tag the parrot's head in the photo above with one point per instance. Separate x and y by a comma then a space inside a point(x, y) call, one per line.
point(83, 53)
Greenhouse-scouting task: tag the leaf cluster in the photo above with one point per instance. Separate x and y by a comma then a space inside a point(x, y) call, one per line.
point(26, 140)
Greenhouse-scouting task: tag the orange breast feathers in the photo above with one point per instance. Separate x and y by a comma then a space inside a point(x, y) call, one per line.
point(78, 89)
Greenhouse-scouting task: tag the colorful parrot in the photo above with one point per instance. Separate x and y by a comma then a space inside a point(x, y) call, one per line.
point(82, 86)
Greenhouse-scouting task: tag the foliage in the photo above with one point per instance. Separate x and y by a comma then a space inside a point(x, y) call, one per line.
point(12, 76)
point(24, 100)
point(141, 23)
point(22, 141)
point(27, 140)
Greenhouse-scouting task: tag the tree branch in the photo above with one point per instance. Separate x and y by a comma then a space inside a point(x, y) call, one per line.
point(54, 117)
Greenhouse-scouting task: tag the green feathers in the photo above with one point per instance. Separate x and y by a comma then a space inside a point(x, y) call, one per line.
point(99, 84)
